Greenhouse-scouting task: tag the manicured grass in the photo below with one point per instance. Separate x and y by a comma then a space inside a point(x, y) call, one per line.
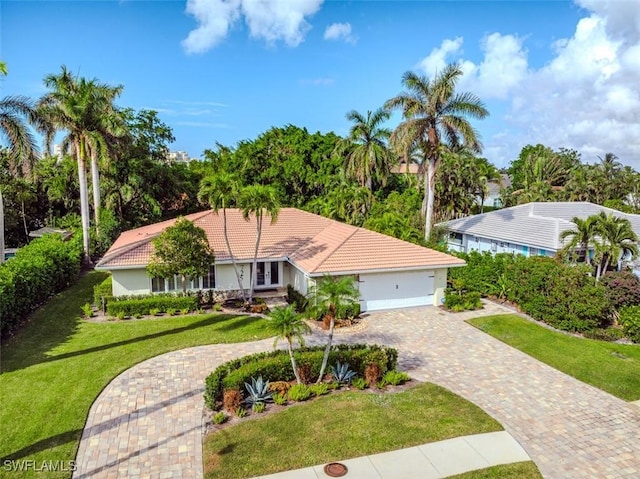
point(612, 367)
point(57, 365)
point(519, 470)
point(341, 426)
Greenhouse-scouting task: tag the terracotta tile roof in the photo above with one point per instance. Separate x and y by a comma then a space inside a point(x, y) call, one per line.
point(315, 244)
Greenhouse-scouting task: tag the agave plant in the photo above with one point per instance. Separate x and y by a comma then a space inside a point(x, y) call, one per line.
point(341, 373)
point(258, 391)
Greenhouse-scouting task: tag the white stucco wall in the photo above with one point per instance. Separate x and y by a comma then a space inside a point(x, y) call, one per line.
point(476, 243)
point(439, 284)
point(226, 278)
point(130, 281)
point(296, 278)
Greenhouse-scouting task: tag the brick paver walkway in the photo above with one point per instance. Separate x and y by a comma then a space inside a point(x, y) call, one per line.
point(147, 422)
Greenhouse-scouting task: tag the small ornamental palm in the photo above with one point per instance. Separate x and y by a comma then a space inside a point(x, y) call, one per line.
point(333, 293)
point(289, 325)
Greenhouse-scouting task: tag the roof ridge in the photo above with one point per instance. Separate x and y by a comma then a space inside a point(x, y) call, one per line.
point(339, 245)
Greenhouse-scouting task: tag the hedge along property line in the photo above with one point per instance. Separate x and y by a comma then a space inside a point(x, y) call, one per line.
point(276, 366)
point(562, 295)
point(132, 307)
point(44, 267)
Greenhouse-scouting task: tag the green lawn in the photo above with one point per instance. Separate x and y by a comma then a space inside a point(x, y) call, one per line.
point(612, 367)
point(341, 426)
point(57, 365)
point(518, 470)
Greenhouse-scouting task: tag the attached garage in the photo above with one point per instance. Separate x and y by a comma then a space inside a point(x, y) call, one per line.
point(398, 289)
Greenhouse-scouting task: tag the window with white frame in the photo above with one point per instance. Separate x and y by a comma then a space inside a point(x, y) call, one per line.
point(174, 283)
point(209, 280)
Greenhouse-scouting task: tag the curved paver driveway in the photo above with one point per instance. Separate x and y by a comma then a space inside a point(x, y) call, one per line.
point(147, 422)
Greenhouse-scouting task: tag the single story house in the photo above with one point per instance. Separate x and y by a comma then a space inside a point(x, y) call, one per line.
point(297, 249)
point(532, 229)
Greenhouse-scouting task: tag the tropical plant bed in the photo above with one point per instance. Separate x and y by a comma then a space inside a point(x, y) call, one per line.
point(340, 426)
point(232, 419)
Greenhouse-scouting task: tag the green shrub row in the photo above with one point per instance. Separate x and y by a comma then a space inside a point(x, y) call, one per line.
point(276, 366)
point(630, 322)
point(461, 300)
point(562, 295)
point(299, 300)
point(132, 307)
point(44, 267)
point(103, 293)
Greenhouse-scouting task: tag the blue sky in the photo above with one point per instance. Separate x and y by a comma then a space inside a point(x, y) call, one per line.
point(554, 72)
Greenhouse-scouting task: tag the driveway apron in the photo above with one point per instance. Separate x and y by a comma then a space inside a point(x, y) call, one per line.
point(148, 421)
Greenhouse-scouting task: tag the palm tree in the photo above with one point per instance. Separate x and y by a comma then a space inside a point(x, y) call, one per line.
point(367, 156)
point(617, 239)
point(16, 113)
point(581, 236)
point(331, 294)
point(84, 109)
point(435, 114)
point(258, 200)
point(220, 191)
point(290, 326)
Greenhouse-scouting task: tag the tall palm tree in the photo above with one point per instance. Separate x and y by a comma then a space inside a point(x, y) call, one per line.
point(258, 200)
point(16, 113)
point(331, 294)
point(290, 326)
point(84, 109)
point(435, 114)
point(367, 156)
point(617, 239)
point(582, 236)
point(219, 192)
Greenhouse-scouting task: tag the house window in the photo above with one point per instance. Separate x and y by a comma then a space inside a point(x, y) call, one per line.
point(533, 252)
point(209, 280)
point(494, 246)
point(157, 285)
point(497, 203)
point(455, 238)
point(172, 284)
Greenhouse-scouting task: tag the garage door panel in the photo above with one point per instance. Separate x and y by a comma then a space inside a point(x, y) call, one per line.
point(396, 290)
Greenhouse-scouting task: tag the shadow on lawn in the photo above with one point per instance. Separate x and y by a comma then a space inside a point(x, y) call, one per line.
point(37, 352)
point(44, 445)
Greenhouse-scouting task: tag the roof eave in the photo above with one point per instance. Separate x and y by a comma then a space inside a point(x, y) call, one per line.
point(386, 270)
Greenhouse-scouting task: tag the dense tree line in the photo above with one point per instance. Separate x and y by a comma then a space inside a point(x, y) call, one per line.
point(113, 172)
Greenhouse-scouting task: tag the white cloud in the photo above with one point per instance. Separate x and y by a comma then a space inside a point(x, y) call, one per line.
point(269, 20)
point(339, 31)
point(586, 97)
point(214, 18)
point(503, 67)
point(440, 56)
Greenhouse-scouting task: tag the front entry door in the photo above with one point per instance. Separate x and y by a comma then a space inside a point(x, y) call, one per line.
point(267, 274)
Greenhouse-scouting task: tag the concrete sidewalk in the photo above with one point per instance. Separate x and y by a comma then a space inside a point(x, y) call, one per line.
point(430, 461)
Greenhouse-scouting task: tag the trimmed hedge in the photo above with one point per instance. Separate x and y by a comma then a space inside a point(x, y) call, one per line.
point(44, 267)
point(103, 293)
point(276, 366)
point(296, 298)
point(132, 307)
point(623, 288)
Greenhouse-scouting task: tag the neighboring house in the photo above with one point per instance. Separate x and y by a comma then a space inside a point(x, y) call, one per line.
point(401, 168)
point(494, 192)
point(297, 249)
point(532, 229)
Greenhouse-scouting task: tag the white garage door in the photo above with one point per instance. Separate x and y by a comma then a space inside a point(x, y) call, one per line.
point(396, 290)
